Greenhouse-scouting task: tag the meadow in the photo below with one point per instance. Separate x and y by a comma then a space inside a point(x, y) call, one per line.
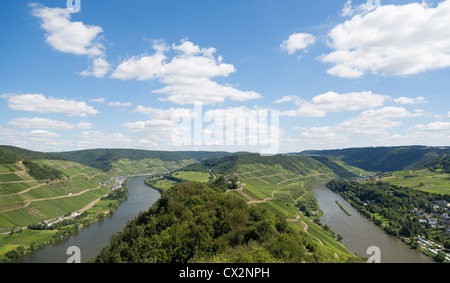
point(424, 180)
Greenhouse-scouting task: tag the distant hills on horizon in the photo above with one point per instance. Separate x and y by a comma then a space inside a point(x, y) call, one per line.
point(385, 159)
point(375, 159)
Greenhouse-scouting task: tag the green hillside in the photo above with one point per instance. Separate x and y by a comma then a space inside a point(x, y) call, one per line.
point(301, 165)
point(385, 159)
point(104, 159)
point(16, 154)
point(277, 184)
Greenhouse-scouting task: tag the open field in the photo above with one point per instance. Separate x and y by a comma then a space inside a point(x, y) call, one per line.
point(192, 176)
point(424, 180)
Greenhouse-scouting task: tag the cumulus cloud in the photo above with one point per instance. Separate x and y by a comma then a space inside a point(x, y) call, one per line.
point(45, 123)
point(41, 104)
point(68, 36)
point(350, 10)
point(325, 135)
point(288, 98)
point(187, 75)
point(331, 101)
point(298, 41)
point(90, 139)
point(99, 68)
point(407, 100)
point(434, 126)
point(375, 121)
point(392, 40)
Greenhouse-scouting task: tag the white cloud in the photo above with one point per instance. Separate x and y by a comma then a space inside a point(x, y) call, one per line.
point(325, 135)
point(391, 40)
point(91, 139)
point(331, 101)
point(40, 123)
point(41, 104)
point(298, 41)
point(83, 126)
point(187, 75)
point(350, 10)
point(375, 122)
point(71, 37)
point(99, 68)
point(159, 126)
point(41, 135)
point(297, 100)
point(407, 100)
point(141, 67)
point(66, 36)
point(151, 126)
point(162, 114)
point(434, 126)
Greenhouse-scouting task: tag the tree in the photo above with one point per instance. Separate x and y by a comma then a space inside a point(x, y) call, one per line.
point(440, 257)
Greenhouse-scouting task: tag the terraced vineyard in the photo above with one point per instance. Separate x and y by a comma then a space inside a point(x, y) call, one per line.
point(153, 166)
point(25, 201)
point(279, 191)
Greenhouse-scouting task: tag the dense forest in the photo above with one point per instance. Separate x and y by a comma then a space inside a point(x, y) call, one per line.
point(42, 172)
point(7, 157)
point(441, 164)
point(195, 223)
point(20, 153)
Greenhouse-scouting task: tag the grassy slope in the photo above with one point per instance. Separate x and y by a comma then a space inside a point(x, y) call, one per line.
point(105, 159)
point(421, 179)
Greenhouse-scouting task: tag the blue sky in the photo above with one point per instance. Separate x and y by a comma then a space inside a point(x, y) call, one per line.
point(115, 74)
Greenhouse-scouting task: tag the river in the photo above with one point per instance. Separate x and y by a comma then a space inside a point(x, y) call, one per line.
point(358, 232)
point(93, 238)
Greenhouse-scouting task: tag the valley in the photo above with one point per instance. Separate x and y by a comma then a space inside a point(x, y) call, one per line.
point(69, 194)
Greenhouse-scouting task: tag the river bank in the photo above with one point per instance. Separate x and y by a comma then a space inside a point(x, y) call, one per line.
point(359, 234)
point(92, 237)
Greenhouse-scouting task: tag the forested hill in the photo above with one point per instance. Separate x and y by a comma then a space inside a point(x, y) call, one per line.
point(385, 159)
point(12, 154)
point(301, 165)
point(198, 223)
point(103, 158)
